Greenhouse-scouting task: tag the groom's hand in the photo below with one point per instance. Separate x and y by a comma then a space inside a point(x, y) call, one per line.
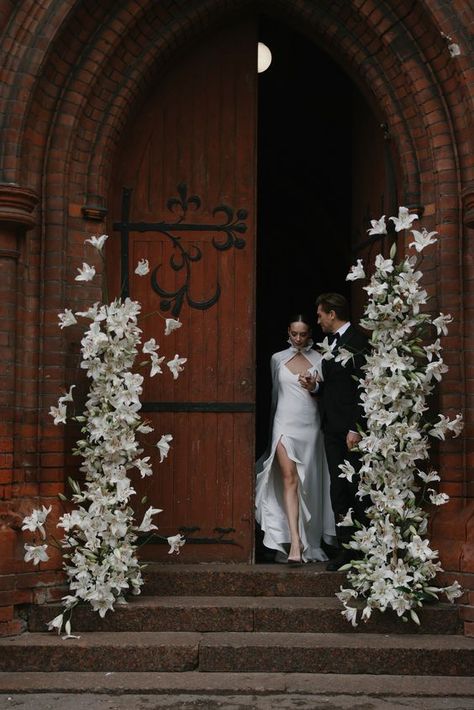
point(352, 439)
point(308, 381)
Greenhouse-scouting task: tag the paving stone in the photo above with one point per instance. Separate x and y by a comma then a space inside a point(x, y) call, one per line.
point(50, 701)
point(118, 683)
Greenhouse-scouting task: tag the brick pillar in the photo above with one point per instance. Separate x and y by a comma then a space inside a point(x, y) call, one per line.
point(16, 217)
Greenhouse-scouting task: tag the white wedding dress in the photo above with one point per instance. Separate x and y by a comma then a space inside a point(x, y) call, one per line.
point(296, 422)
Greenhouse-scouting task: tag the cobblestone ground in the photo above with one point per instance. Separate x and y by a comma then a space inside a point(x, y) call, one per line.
point(49, 701)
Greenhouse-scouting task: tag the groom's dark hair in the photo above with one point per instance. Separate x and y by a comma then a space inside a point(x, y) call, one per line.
point(334, 302)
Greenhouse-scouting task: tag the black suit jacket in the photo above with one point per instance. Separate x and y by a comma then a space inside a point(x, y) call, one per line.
point(339, 394)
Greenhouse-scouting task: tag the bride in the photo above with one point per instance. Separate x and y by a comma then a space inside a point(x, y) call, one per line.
point(293, 506)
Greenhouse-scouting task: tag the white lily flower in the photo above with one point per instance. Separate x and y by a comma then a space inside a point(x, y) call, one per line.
point(404, 219)
point(164, 446)
point(145, 428)
point(437, 498)
point(420, 549)
point(343, 356)
point(56, 623)
point(68, 635)
point(433, 350)
point(156, 364)
point(101, 601)
point(454, 591)
point(350, 613)
point(36, 553)
point(147, 525)
point(430, 477)
point(435, 369)
point(86, 273)
point(356, 272)
point(150, 346)
point(175, 365)
point(385, 266)
point(92, 313)
point(345, 595)
point(347, 470)
point(67, 397)
point(456, 425)
point(36, 520)
point(143, 466)
point(142, 268)
point(325, 349)
point(347, 520)
point(175, 542)
point(58, 414)
point(172, 324)
point(440, 428)
point(378, 226)
point(441, 323)
point(376, 289)
point(97, 242)
point(67, 318)
point(422, 239)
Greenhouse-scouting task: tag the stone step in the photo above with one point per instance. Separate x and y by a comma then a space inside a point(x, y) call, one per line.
point(207, 614)
point(217, 579)
point(244, 684)
point(234, 652)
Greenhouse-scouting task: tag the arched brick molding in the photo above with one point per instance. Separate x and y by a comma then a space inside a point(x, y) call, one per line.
point(77, 72)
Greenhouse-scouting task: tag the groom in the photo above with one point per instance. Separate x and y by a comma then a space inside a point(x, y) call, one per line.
point(341, 412)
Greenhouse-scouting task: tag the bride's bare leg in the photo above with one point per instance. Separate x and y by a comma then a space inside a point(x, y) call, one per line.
point(290, 499)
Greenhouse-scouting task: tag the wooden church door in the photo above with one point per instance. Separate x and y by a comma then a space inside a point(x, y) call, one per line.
point(188, 166)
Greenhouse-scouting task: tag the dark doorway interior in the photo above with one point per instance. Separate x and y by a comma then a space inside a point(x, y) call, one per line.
point(304, 191)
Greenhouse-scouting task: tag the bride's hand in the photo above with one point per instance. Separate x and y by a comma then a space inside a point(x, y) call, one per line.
point(308, 381)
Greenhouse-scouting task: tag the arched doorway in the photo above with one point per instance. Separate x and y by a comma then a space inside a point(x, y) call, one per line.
point(185, 196)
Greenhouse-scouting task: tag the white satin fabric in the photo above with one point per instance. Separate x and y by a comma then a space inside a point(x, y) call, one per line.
point(296, 423)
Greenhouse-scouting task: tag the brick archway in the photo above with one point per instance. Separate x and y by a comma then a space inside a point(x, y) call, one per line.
point(77, 73)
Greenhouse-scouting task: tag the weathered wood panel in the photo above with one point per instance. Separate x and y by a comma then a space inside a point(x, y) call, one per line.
point(199, 129)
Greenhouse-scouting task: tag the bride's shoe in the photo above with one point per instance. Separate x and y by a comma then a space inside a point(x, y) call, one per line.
point(296, 561)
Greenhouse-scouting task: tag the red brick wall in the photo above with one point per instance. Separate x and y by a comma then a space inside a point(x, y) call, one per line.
point(75, 72)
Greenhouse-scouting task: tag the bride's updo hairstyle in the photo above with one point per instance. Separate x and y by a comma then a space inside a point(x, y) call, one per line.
point(299, 318)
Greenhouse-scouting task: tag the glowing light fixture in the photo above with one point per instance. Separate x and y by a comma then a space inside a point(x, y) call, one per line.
point(264, 57)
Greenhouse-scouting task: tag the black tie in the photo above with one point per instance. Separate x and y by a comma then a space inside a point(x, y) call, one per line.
point(334, 339)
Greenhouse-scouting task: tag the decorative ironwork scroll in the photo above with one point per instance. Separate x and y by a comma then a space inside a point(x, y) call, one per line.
point(228, 229)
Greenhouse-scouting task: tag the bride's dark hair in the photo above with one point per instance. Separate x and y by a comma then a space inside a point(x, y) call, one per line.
point(299, 318)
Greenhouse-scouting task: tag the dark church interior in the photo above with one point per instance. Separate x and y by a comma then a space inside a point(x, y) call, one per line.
point(304, 191)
